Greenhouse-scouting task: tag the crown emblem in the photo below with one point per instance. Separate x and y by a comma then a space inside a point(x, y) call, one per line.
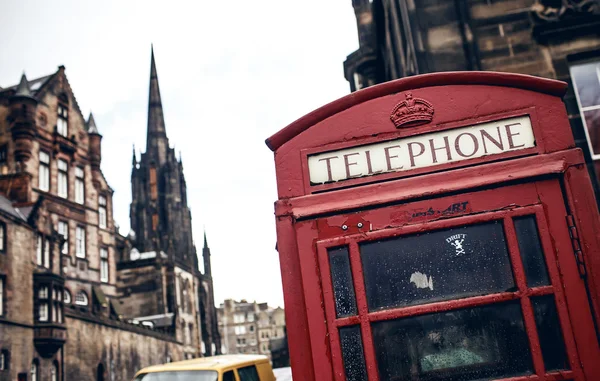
point(411, 112)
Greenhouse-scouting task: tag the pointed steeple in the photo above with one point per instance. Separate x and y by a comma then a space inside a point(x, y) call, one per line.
point(23, 89)
point(156, 138)
point(206, 257)
point(91, 125)
point(134, 160)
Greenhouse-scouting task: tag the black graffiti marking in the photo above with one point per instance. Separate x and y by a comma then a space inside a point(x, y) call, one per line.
point(458, 207)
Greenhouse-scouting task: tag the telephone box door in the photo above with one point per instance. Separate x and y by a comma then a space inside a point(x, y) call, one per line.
point(480, 285)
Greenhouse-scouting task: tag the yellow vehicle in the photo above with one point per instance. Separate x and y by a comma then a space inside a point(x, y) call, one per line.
point(216, 368)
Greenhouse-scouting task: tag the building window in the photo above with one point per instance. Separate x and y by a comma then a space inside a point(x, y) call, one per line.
point(46, 253)
point(66, 296)
point(104, 265)
point(586, 80)
point(39, 247)
point(102, 211)
point(79, 185)
point(62, 124)
point(63, 229)
point(4, 359)
point(42, 251)
point(57, 308)
point(250, 317)
point(2, 237)
point(63, 178)
point(81, 299)
point(3, 153)
point(2, 281)
point(34, 370)
point(185, 298)
point(44, 172)
point(54, 371)
point(80, 242)
point(43, 304)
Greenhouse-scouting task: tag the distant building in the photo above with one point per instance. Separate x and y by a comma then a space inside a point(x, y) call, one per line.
point(249, 327)
point(546, 38)
point(78, 301)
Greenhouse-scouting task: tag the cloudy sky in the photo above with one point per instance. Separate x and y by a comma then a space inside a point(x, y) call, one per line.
point(231, 74)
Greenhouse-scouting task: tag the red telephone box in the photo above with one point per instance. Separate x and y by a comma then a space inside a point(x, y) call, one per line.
point(439, 227)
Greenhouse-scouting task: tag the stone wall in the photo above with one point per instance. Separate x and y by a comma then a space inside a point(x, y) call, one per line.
point(121, 349)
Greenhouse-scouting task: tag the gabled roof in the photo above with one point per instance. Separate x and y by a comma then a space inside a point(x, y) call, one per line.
point(39, 85)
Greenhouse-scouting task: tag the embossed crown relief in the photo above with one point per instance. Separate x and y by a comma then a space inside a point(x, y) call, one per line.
point(412, 112)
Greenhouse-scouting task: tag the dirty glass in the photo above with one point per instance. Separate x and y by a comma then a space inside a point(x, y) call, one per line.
point(531, 251)
point(192, 375)
point(248, 373)
point(437, 265)
point(352, 353)
point(229, 376)
point(549, 332)
point(461, 345)
point(341, 278)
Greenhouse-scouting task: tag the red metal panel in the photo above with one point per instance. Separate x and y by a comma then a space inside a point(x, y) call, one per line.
point(584, 208)
point(402, 190)
point(537, 84)
point(293, 297)
point(519, 274)
point(372, 118)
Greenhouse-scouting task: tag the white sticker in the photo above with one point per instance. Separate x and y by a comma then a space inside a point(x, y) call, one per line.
point(421, 281)
point(457, 241)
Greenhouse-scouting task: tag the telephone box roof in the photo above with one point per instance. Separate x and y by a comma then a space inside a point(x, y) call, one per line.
point(521, 81)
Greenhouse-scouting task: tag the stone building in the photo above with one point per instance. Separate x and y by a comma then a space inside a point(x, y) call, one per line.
point(250, 327)
point(547, 38)
point(78, 301)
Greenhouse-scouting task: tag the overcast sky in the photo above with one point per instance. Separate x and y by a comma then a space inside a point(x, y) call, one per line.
point(231, 74)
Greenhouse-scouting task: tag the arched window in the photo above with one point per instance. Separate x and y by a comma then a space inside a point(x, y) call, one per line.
point(35, 370)
point(67, 296)
point(81, 299)
point(100, 372)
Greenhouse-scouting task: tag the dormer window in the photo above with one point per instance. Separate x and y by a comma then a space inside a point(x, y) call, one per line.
point(81, 299)
point(62, 124)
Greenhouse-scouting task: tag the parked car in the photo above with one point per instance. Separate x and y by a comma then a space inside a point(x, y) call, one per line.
point(215, 368)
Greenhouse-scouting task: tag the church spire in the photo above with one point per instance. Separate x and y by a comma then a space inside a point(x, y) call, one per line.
point(156, 138)
point(206, 257)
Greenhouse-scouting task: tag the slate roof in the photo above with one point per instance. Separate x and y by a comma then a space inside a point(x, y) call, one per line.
point(34, 85)
point(7, 207)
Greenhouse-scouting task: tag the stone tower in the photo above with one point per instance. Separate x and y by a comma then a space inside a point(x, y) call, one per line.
point(159, 213)
point(161, 278)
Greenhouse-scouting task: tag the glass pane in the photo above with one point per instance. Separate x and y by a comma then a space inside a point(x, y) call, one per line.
point(468, 344)
point(551, 339)
point(587, 83)
point(592, 123)
point(531, 251)
point(352, 353)
point(438, 265)
point(341, 278)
